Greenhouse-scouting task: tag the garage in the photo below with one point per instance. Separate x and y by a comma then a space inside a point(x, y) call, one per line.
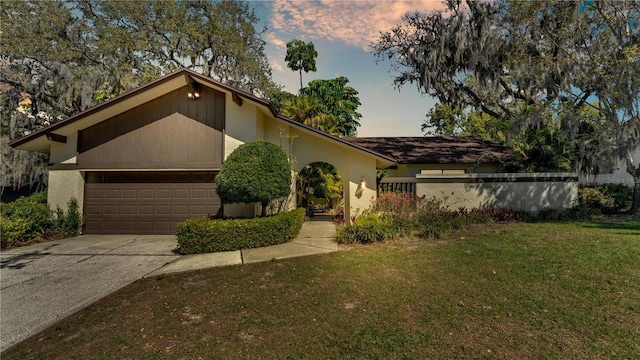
point(146, 202)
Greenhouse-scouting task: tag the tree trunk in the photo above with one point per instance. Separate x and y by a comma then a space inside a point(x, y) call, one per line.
point(635, 172)
point(635, 206)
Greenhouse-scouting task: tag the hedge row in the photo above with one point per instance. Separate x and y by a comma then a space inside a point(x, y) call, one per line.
point(204, 235)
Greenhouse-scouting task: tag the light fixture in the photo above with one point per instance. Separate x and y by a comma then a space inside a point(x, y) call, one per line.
point(194, 92)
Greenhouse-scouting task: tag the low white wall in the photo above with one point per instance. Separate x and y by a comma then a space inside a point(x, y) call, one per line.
point(528, 192)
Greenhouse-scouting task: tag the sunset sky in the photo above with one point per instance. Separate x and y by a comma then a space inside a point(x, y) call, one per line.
point(342, 32)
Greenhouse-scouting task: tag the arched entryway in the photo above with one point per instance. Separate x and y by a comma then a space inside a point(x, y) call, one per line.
point(320, 190)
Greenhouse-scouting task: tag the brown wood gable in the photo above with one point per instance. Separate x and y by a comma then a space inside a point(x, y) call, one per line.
point(171, 131)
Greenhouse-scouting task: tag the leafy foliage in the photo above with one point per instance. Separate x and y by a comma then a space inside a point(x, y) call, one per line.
point(396, 215)
point(301, 56)
point(453, 120)
point(69, 224)
point(327, 105)
point(607, 198)
point(319, 180)
point(532, 63)
point(254, 172)
point(204, 235)
point(338, 101)
point(30, 218)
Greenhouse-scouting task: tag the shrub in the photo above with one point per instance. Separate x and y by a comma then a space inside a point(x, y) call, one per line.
point(204, 235)
point(607, 198)
point(579, 212)
point(372, 228)
point(254, 172)
point(621, 194)
point(13, 231)
point(396, 206)
point(33, 211)
point(69, 224)
point(594, 198)
point(30, 218)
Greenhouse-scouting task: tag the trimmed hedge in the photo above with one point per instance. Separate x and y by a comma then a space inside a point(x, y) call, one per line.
point(204, 235)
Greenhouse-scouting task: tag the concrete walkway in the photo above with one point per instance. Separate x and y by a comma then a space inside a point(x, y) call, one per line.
point(316, 237)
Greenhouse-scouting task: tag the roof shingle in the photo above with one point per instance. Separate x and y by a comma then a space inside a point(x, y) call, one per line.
point(435, 150)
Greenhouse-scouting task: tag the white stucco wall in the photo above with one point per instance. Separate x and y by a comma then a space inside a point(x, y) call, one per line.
point(64, 185)
point(64, 153)
point(241, 124)
point(528, 192)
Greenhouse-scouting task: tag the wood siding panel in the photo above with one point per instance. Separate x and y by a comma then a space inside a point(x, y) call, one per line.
point(173, 142)
point(168, 132)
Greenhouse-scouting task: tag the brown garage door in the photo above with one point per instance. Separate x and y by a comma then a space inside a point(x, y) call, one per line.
point(146, 202)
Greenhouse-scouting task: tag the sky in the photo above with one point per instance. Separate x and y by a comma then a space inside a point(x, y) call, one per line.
point(342, 32)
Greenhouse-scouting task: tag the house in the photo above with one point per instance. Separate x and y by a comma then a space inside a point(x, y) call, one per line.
point(466, 172)
point(144, 161)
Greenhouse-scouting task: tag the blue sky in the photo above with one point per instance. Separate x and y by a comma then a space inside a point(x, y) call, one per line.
point(342, 32)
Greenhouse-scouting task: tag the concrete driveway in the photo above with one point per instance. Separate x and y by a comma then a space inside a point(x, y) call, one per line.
point(44, 283)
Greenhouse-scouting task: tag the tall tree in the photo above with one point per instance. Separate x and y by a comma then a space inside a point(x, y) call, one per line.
point(337, 100)
point(301, 56)
point(328, 105)
point(78, 53)
point(532, 63)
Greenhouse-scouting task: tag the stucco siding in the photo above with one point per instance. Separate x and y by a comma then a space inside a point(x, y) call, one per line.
point(361, 176)
point(529, 192)
point(241, 125)
point(64, 153)
point(64, 185)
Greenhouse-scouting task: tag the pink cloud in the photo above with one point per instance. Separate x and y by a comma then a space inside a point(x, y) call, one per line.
point(356, 23)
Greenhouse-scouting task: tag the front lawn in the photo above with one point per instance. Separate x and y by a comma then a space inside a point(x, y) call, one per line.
point(514, 291)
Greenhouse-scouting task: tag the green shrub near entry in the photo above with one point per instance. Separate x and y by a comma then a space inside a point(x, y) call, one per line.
point(254, 172)
point(205, 235)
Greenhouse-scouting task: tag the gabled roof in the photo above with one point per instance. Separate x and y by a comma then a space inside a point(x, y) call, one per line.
point(38, 140)
point(435, 150)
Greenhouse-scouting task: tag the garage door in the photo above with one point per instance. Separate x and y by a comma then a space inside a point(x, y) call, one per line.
point(146, 202)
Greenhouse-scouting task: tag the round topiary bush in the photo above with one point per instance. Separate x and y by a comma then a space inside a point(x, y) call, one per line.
point(254, 172)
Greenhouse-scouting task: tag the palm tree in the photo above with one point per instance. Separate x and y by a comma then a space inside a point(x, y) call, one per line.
point(306, 110)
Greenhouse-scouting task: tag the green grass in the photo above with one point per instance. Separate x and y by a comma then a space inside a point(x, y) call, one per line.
point(537, 291)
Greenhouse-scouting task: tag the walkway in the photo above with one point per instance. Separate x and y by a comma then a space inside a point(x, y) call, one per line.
point(316, 237)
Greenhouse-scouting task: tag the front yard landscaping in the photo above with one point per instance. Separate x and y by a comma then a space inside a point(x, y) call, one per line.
point(511, 291)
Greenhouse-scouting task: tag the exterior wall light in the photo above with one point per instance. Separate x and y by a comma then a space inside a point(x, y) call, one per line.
point(194, 92)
